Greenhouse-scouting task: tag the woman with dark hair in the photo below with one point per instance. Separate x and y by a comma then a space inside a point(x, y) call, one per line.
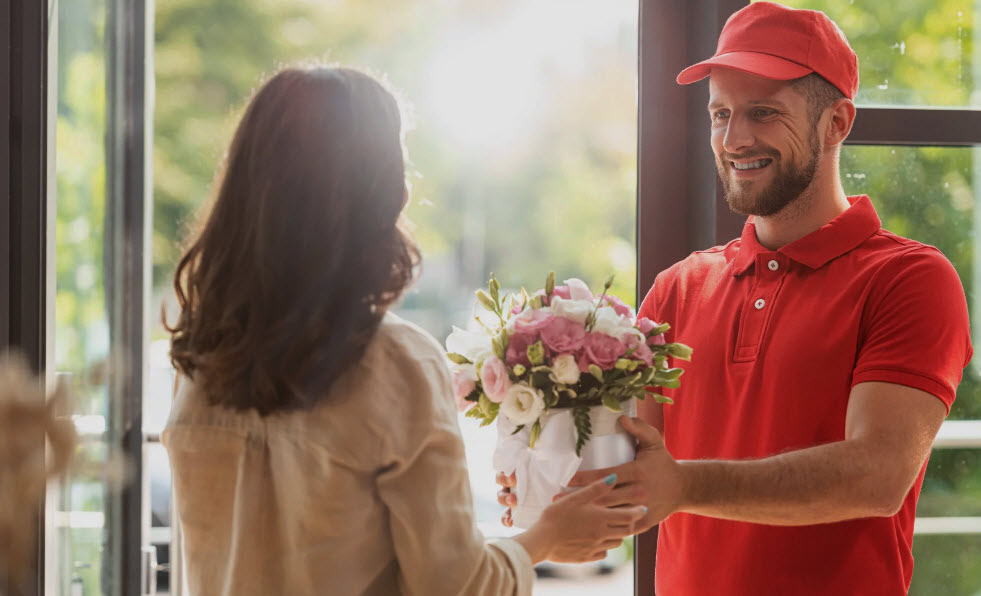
point(313, 438)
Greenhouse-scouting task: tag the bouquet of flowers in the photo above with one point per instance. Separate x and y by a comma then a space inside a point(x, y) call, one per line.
point(558, 351)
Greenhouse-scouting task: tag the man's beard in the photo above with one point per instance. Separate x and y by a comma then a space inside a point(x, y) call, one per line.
point(787, 186)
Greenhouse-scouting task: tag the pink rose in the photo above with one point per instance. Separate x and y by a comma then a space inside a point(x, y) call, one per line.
point(643, 353)
point(563, 335)
point(621, 309)
point(602, 350)
point(562, 292)
point(532, 320)
point(517, 352)
point(464, 382)
point(494, 376)
point(645, 325)
point(657, 340)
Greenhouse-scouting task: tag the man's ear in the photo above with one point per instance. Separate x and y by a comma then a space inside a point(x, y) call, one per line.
point(840, 123)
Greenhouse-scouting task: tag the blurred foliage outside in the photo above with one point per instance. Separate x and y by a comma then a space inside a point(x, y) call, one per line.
point(559, 193)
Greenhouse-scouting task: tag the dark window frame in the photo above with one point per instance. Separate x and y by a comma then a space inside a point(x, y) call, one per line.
point(24, 207)
point(680, 207)
point(27, 210)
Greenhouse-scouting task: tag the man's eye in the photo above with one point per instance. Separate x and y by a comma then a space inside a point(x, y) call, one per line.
point(762, 113)
point(720, 115)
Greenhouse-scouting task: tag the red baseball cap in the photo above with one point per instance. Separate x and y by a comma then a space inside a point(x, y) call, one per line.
point(778, 42)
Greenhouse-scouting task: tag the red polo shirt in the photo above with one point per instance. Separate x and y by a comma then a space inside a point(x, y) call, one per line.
point(780, 338)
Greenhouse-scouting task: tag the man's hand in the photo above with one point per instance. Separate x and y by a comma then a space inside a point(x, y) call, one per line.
point(653, 479)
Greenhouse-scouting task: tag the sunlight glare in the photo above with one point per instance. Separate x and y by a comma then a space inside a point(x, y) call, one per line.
point(488, 86)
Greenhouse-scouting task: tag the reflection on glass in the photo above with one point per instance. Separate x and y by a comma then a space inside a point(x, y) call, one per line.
point(523, 153)
point(81, 325)
point(930, 194)
point(913, 53)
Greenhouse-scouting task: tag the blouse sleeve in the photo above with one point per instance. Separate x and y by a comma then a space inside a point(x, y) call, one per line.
point(425, 487)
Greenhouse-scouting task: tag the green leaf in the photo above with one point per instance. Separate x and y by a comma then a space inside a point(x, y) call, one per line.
point(622, 364)
point(517, 430)
point(661, 399)
point(580, 414)
point(670, 374)
point(499, 348)
point(474, 412)
point(536, 353)
point(536, 431)
point(458, 358)
point(550, 283)
point(495, 289)
point(596, 372)
point(519, 369)
point(680, 351)
point(662, 328)
point(488, 407)
point(536, 302)
point(670, 384)
point(611, 403)
point(486, 301)
point(552, 397)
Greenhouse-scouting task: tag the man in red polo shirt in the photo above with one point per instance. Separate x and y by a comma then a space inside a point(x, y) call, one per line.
point(827, 351)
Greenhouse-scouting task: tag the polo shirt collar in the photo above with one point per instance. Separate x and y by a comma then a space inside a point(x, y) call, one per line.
point(828, 242)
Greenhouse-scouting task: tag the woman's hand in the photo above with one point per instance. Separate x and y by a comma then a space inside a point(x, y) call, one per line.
point(576, 528)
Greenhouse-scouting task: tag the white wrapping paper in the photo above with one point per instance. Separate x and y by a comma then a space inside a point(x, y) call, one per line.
point(543, 472)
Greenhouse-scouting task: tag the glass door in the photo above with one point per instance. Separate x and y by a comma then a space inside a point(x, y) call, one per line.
point(97, 100)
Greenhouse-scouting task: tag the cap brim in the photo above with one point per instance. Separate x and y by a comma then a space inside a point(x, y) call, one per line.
point(764, 65)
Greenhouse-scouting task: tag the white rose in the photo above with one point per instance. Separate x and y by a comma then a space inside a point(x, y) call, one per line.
point(523, 404)
point(574, 310)
point(472, 345)
point(565, 369)
point(607, 322)
point(578, 290)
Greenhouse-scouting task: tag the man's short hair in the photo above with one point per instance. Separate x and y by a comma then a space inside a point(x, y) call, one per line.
point(819, 93)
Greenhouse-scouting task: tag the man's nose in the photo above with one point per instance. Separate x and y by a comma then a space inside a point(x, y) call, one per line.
point(738, 135)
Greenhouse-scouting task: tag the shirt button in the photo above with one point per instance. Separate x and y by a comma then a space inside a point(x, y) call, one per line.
point(773, 265)
point(760, 304)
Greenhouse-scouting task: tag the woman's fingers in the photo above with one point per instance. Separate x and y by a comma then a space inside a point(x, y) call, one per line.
point(505, 480)
point(507, 498)
point(625, 516)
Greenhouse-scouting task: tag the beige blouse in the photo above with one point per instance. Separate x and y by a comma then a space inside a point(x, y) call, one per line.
point(367, 493)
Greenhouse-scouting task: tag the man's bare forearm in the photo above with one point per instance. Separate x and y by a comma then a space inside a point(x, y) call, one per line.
point(827, 483)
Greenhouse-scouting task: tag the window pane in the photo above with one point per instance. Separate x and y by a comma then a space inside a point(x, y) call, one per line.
point(946, 564)
point(952, 487)
point(524, 149)
point(81, 322)
point(917, 53)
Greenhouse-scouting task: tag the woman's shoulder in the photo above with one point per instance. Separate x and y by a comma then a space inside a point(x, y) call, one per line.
point(402, 343)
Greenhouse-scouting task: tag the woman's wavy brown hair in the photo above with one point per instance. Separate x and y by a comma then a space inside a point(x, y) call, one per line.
point(303, 251)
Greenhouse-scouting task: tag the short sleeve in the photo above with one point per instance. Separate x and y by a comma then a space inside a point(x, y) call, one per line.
point(915, 331)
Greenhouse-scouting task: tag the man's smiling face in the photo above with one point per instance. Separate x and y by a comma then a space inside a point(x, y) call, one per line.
point(766, 148)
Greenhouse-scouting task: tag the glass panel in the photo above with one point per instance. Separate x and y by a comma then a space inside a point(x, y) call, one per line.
point(524, 148)
point(946, 564)
point(81, 325)
point(919, 53)
point(952, 487)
